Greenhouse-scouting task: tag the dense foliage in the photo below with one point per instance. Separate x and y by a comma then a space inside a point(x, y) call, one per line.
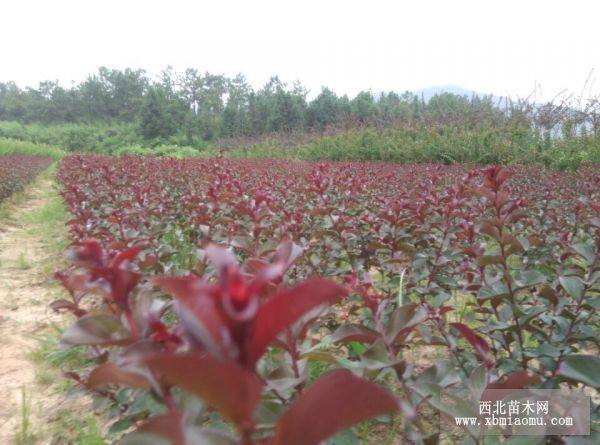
point(280, 302)
point(16, 147)
point(428, 144)
point(18, 170)
point(113, 109)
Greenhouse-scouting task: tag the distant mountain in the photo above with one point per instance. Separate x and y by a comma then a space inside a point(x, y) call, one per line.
point(428, 93)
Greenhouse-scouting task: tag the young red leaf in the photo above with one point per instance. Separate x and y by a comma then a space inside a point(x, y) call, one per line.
point(126, 255)
point(231, 389)
point(89, 254)
point(284, 309)
point(199, 313)
point(475, 340)
point(336, 401)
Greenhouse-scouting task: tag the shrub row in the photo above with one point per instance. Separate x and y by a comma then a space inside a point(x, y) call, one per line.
point(283, 302)
point(18, 170)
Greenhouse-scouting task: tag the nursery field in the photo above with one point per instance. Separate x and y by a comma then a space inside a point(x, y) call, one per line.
point(18, 170)
point(282, 302)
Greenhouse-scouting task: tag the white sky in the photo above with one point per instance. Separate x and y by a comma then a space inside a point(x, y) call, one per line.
point(501, 47)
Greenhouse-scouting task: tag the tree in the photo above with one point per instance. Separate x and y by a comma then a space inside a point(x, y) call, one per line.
point(325, 110)
point(157, 120)
point(363, 106)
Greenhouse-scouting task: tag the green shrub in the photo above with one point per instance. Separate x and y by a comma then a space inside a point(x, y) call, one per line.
point(443, 145)
point(13, 146)
point(161, 150)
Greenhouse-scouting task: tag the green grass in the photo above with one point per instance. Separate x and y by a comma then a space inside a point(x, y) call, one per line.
point(49, 359)
point(24, 436)
point(89, 433)
point(49, 221)
point(7, 205)
point(50, 213)
point(15, 146)
point(49, 352)
point(46, 224)
point(73, 428)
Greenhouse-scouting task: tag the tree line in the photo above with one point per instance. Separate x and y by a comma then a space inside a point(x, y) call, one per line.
point(201, 107)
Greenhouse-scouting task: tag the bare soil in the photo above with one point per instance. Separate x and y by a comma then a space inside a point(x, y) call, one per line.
point(24, 318)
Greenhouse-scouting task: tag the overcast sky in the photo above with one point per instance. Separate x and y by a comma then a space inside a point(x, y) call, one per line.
point(502, 47)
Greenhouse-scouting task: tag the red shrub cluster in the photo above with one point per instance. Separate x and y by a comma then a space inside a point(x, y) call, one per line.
point(496, 270)
point(18, 170)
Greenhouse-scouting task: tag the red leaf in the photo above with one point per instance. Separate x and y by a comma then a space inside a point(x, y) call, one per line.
point(284, 309)
point(231, 389)
point(476, 341)
point(127, 255)
point(516, 380)
point(354, 332)
point(58, 305)
point(336, 401)
point(109, 373)
point(445, 309)
point(73, 282)
point(169, 426)
point(199, 315)
point(89, 254)
point(122, 283)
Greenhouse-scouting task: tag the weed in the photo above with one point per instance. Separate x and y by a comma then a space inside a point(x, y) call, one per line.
point(24, 435)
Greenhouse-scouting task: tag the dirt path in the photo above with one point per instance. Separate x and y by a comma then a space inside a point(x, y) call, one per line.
point(27, 398)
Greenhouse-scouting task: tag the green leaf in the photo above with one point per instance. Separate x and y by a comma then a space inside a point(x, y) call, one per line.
point(121, 425)
point(376, 357)
point(357, 348)
point(573, 286)
point(497, 289)
point(586, 251)
point(528, 278)
point(529, 315)
point(581, 368)
point(546, 349)
point(478, 380)
point(346, 437)
point(348, 333)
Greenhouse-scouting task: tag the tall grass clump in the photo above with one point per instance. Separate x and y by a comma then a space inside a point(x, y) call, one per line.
point(14, 146)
